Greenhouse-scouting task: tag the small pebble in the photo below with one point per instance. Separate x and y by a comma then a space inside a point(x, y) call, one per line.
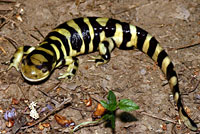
point(143, 72)
point(197, 96)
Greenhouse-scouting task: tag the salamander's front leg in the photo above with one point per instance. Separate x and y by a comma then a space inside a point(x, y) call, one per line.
point(105, 49)
point(72, 63)
point(18, 55)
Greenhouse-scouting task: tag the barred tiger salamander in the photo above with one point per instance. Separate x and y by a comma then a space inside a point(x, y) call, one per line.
point(86, 35)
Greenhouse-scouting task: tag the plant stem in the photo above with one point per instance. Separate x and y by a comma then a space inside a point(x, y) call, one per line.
point(86, 123)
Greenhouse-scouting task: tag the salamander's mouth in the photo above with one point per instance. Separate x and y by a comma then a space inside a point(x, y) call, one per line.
point(33, 79)
point(32, 73)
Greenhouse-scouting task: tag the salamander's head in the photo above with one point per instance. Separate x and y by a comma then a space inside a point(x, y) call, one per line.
point(36, 67)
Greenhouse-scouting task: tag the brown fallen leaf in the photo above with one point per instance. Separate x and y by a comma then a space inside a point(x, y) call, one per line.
point(99, 112)
point(88, 102)
point(61, 120)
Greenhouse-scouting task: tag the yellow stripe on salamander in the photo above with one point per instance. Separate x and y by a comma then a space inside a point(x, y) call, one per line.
point(45, 50)
point(165, 64)
point(56, 50)
point(62, 45)
point(157, 51)
point(146, 43)
point(118, 37)
point(133, 41)
point(102, 21)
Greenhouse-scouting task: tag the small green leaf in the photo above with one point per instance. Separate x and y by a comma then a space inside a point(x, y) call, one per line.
point(109, 107)
point(111, 104)
point(104, 104)
point(112, 101)
point(106, 117)
point(111, 97)
point(127, 105)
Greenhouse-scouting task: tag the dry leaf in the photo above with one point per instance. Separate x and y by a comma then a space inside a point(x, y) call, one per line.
point(99, 112)
point(88, 102)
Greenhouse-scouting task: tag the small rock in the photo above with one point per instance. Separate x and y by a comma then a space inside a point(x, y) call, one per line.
point(143, 72)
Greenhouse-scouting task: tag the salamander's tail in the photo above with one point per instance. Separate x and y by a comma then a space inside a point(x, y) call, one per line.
point(149, 45)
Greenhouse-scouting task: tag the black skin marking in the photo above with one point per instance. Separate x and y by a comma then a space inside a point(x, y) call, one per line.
point(161, 57)
point(97, 29)
point(74, 71)
point(126, 36)
point(170, 71)
point(106, 56)
point(152, 47)
point(11, 60)
point(62, 38)
point(176, 89)
point(99, 60)
point(110, 27)
point(75, 38)
point(76, 63)
point(85, 32)
point(58, 46)
point(49, 58)
point(26, 48)
point(141, 34)
point(49, 47)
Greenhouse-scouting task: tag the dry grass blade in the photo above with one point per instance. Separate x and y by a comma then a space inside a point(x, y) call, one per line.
point(3, 50)
point(153, 116)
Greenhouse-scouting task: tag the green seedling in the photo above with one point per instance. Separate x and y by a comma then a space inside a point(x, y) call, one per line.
point(111, 105)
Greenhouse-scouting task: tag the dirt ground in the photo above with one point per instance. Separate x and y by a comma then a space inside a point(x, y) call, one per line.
point(130, 74)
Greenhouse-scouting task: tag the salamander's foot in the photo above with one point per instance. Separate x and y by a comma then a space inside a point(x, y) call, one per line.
point(98, 60)
point(66, 75)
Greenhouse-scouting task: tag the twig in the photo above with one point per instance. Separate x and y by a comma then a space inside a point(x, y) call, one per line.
point(13, 42)
point(52, 99)
point(3, 24)
point(150, 115)
point(39, 32)
point(80, 110)
point(188, 46)
point(194, 87)
point(66, 101)
point(34, 37)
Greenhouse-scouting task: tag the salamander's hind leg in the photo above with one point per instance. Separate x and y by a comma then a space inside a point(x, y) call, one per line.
point(105, 49)
point(72, 63)
point(18, 55)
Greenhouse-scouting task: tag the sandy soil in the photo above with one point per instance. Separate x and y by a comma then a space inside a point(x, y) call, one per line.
point(130, 74)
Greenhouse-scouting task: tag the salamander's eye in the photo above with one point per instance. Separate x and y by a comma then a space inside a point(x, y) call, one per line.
point(43, 68)
point(39, 67)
